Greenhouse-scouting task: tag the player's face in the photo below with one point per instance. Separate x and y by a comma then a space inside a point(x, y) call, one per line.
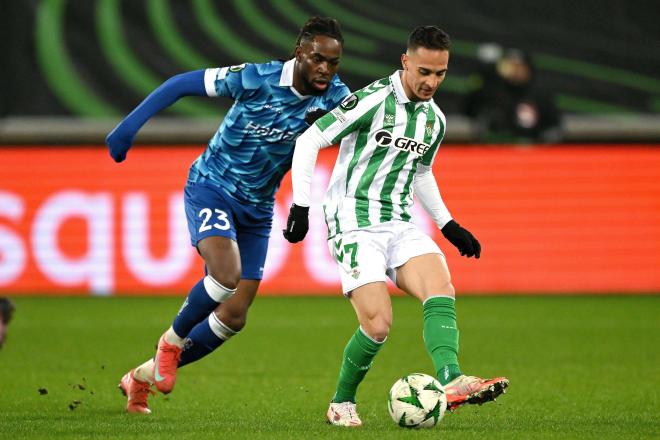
point(317, 62)
point(423, 72)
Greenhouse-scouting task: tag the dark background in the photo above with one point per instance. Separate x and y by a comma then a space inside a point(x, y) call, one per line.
point(99, 58)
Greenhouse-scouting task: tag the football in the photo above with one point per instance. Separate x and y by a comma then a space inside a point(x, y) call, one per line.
point(417, 401)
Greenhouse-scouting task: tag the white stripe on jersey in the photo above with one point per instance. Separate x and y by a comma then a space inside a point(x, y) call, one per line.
point(210, 76)
point(209, 81)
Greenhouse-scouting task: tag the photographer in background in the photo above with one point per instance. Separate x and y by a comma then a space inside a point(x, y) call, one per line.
point(505, 103)
point(6, 312)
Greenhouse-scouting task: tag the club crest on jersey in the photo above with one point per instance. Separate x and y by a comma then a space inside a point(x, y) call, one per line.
point(384, 138)
point(237, 68)
point(349, 103)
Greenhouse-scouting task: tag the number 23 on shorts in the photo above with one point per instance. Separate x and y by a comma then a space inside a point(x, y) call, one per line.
point(220, 220)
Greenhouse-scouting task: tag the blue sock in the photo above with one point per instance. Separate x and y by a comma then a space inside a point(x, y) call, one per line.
point(203, 339)
point(203, 298)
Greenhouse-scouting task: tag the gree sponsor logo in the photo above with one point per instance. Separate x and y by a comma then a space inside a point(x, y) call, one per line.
point(384, 138)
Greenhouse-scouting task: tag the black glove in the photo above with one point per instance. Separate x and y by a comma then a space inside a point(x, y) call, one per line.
point(297, 224)
point(462, 238)
point(312, 116)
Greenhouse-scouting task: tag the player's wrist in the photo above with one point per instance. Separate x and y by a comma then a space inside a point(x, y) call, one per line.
point(449, 227)
point(299, 210)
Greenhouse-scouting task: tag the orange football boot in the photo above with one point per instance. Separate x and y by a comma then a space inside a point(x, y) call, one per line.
point(471, 389)
point(165, 365)
point(137, 393)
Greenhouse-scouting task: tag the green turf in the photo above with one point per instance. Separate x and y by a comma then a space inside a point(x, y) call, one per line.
point(580, 367)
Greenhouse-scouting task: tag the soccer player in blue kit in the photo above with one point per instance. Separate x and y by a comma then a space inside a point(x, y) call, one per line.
point(229, 195)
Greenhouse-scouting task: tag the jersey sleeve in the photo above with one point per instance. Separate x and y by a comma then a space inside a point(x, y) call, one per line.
point(354, 112)
point(233, 82)
point(427, 192)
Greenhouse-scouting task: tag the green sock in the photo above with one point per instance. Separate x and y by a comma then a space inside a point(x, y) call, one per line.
point(441, 337)
point(358, 354)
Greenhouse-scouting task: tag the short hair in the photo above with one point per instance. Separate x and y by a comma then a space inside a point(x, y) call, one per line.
point(320, 26)
point(429, 37)
point(6, 310)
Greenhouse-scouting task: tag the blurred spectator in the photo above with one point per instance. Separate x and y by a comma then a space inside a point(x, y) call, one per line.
point(505, 104)
point(6, 311)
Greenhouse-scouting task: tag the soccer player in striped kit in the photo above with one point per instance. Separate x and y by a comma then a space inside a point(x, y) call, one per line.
point(390, 132)
point(230, 192)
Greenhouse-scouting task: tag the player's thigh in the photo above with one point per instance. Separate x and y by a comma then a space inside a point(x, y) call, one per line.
point(373, 308)
point(416, 263)
point(212, 228)
point(222, 258)
point(252, 234)
point(424, 276)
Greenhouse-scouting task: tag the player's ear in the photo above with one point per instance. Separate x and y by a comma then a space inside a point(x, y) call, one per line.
point(404, 61)
point(298, 53)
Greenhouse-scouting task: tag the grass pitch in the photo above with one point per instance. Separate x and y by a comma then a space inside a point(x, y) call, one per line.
point(580, 367)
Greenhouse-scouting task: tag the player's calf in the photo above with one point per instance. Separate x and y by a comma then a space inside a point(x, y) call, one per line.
point(203, 298)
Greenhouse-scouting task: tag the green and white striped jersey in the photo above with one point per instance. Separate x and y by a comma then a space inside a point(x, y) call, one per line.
point(384, 138)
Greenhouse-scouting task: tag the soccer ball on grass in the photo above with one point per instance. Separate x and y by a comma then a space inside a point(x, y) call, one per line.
point(417, 401)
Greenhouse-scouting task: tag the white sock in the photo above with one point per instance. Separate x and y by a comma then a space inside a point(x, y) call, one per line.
point(172, 338)
point(145, 372)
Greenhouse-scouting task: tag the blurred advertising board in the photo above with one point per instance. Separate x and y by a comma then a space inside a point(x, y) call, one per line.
point(569, 219)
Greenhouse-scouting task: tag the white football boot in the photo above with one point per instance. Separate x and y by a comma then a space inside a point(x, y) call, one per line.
point(343, 414)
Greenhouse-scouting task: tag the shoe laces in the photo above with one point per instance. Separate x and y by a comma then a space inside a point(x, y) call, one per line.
point(465, 385)
point(140, 392)
point(347, 409)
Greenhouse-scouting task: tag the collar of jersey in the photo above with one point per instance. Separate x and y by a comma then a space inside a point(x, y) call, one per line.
point(400, 94)
point(286, 78)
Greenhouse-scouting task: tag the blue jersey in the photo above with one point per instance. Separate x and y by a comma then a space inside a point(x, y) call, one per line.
point(253, 147)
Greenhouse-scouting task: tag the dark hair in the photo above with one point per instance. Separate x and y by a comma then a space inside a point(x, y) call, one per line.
point(6, 310)
point(320, 26)
point(429, 37)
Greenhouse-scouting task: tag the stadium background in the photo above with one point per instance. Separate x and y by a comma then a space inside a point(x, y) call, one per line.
point(581, 217)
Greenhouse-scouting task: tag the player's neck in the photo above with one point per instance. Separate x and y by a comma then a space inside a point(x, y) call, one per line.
point(406, 88)
point(298, 83)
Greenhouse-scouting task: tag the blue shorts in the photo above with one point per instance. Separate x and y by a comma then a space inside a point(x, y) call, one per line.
point(211, 212)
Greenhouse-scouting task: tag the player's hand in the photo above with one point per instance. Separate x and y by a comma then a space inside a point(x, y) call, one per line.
point(297, 224)
point(462, 238)
point(118, 144)
point(312, 116)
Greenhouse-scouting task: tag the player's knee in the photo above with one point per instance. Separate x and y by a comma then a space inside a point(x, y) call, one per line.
point(234, 319)
point(227, 278)
point(448, 290)
point(377, 328)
